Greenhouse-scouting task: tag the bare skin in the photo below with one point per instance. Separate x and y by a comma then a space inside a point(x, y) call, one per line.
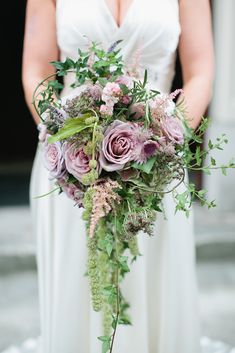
point(195, 49)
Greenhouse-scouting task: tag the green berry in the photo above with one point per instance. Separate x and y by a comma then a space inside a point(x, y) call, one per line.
point(93, 164)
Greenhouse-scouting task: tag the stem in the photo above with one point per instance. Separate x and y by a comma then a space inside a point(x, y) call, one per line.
point(210, 167)
point(117, 288)
point(161, 191)
point(118, 311)
point(35, 91)
point(39, 85)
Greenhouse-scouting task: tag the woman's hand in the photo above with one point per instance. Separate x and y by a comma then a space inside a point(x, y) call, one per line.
point(40, 47)
point(197, 57)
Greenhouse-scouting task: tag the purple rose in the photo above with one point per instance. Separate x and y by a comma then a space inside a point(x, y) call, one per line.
point(172, 129)
point(118, 145)
point(73, 191)
point(76, 161)
point(53, 159)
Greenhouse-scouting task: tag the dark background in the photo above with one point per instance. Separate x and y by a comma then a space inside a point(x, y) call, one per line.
point(18, 139)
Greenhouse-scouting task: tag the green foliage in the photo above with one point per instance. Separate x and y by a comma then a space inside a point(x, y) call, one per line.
point(146, 167)
point(71, 127)
point(114, 245)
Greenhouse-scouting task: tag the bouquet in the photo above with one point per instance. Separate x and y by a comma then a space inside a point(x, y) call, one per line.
point(115, 146)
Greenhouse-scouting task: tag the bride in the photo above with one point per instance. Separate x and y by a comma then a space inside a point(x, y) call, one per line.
point(162, 284)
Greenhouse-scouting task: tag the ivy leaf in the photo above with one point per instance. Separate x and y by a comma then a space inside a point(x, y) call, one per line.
point(146, 167)
point(213, 161)
point(210, 145)
point(198, 156)
point(109, 248)
point(106, 340)
point(123, 264)
point(124, 321)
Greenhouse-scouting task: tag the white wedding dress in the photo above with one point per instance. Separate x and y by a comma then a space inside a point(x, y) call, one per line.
point(162, 284)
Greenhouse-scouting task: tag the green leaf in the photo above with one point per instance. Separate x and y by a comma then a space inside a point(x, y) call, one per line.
point(210, 145)
point(202, 193)
point(146, 167)
point(213, 161)
point(198, 155)
point(145, 78)
point(106, 340)
point(224, 170)
point(102, 81)
point(109, 248)
point(123, 263)
point(124, 321)
point(71, 127)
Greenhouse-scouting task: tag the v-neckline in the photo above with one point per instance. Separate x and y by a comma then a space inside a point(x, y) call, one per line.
point(108, 11)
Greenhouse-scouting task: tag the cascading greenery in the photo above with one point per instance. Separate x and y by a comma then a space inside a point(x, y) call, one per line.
point(130, 205)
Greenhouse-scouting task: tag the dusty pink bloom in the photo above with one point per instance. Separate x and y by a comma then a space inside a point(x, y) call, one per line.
point(72, 190)
point(145, 150)
point(95, 91)
point(138, 109)
point(53, 158)
point(111, 93)
point(172, 129)
point(174, 94)
point(162, 105)
point(125, 80)
point(76, 161)
point(125, 99)
point(103, 200)
point(106, 110)
point(167, 149)
point(118, 145)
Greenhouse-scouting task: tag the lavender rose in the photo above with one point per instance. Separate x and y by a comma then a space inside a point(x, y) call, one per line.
point(76, 161)
point(73, 191)
point(172, 129)
point(53, 159)
point(118, 145)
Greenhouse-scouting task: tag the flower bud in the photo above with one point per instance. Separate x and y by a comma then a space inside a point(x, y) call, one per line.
point(93, 164)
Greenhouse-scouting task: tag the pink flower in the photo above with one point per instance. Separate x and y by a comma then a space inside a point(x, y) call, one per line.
point(76, 161)
point(95, 91)
point(172, 129)
point(138, 109)
point(53, 159)
point(106, 110)
point(118, 145)
point(111, 93)
point(72, 190)
point(162, 105)
point(125, 80)
point(125, 99)
point(145, 150)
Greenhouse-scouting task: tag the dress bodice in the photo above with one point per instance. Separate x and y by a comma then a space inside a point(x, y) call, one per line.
point(149, 33)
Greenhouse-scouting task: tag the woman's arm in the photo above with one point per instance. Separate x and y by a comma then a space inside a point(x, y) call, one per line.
point(196, 56)
point(40, 47)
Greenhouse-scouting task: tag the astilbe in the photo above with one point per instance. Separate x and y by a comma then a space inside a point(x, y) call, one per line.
point(104, 196)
